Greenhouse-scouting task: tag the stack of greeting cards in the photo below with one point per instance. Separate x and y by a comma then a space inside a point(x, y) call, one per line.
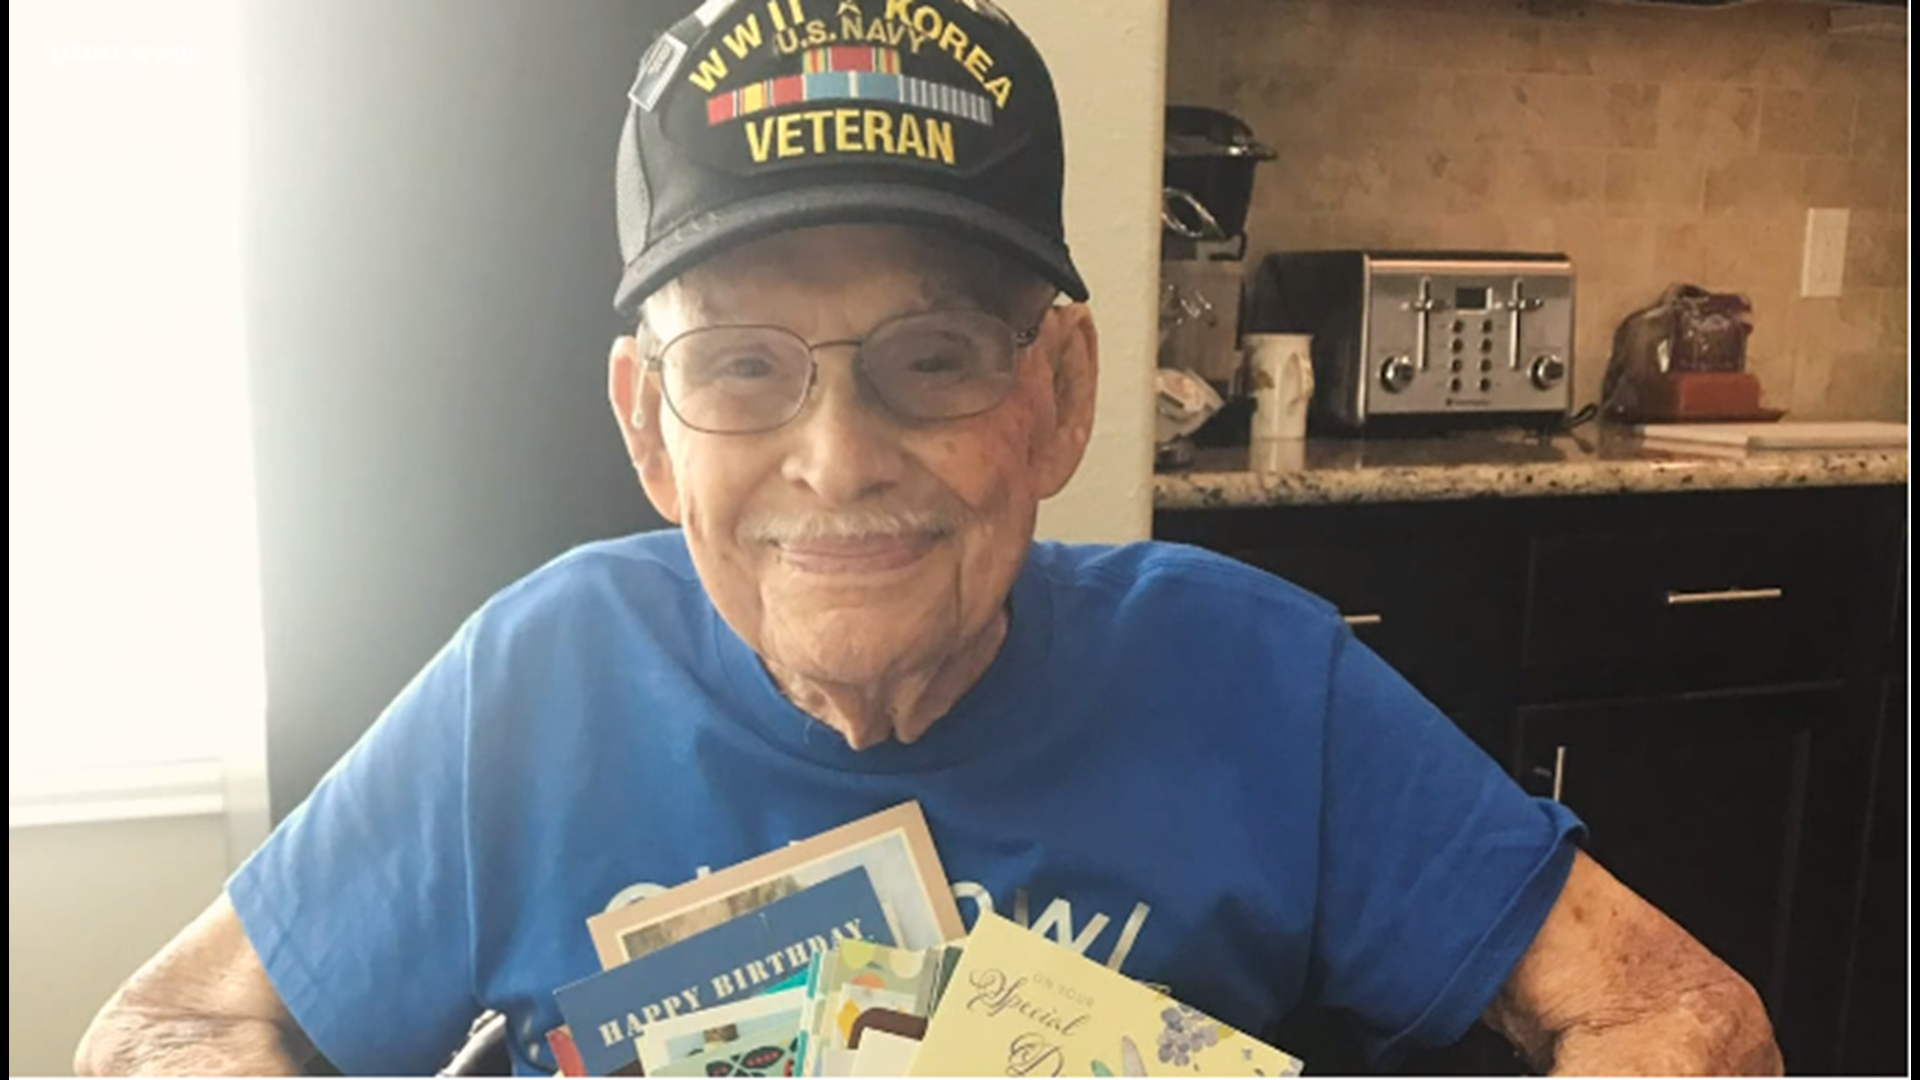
point(844, 955)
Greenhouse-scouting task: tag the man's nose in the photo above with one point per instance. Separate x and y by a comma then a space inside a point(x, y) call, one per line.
point(845, 445)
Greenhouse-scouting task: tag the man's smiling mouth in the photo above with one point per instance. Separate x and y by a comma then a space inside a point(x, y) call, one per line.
point(857, 555)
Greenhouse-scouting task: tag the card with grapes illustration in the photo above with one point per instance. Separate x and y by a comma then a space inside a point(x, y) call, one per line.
point(1020, 1004)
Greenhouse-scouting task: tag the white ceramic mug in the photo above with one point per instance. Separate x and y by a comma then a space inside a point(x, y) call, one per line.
point(1280, 375)
point(1277, 455)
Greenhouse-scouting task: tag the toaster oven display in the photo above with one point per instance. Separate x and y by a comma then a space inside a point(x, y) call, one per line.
point(1473, 299)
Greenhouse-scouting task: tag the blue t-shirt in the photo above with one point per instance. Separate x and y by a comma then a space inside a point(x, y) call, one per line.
point(1177, 764)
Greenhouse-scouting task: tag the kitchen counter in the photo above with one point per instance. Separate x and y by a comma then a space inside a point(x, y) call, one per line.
point(1592, 461)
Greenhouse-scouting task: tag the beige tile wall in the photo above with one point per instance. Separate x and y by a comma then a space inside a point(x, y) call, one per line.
point(1652, 144)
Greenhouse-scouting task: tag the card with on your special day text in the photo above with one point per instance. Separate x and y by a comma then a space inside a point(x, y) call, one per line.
point(1021, 1004)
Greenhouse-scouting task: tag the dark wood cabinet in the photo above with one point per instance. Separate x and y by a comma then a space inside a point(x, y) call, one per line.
point(1735, 813)
point(1681, 607)
point(1403, 593)
point(1874, 1042)
point(1875, 1038)
point(1431, 589)
point(1713, 681)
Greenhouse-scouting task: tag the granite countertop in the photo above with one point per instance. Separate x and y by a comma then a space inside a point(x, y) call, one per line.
point(1592, 461)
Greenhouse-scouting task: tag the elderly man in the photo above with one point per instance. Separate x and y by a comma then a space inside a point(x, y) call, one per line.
point(852, 385)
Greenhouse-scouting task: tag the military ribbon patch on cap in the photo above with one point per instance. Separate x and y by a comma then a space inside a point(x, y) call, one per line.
point(850, 73)
point(781, 82)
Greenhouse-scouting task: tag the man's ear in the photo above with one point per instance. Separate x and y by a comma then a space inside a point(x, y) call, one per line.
point(1059, 447)
point(636, 407)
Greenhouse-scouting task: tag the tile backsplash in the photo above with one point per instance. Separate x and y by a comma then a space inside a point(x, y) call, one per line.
point(1653, 144)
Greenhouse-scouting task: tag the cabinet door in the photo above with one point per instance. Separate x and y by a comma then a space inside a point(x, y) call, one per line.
point(1659, 594)
point(1433, 590)
point(1740, 816)
point(1876, 1033)
point(1663, 609)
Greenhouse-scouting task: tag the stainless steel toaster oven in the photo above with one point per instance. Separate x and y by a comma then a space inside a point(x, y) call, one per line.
point(1414, 341)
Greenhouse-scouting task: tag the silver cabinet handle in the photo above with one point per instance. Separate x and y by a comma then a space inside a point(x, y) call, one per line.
point(1723, 596)
point(1363, 620)
point(1559, 774)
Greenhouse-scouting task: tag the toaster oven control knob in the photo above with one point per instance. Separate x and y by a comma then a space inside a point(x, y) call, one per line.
point(1548, 371)
point(1397, 372)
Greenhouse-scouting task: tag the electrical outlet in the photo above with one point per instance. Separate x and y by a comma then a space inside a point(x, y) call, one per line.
point(1825, 260)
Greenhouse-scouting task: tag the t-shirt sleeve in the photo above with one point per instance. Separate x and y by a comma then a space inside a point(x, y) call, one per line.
point(1437, 869)
point(359, 903)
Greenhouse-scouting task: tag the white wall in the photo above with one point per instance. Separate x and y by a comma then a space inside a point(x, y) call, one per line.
point(1108, 59)
point(86, 905)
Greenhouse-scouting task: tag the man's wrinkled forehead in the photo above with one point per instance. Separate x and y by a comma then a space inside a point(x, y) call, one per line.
point(895, 264)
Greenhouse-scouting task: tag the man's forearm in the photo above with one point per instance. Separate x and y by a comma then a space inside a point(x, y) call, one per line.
point(127, 1040)
point(1612, 987)
point(1716, 1031)
point(204, 1006)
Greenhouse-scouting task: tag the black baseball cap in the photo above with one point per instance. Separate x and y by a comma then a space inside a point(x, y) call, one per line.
point(751, 117)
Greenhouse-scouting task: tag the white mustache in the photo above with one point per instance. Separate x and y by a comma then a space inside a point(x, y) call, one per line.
point(846, 525)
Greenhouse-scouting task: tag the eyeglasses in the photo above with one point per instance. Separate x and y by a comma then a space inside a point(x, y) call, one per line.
point(932, 366)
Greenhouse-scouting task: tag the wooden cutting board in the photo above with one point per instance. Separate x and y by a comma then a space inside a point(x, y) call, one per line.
point(1809, 435)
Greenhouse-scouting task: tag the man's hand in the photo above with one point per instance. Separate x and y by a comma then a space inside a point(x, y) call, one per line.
point(203, 1007)
point(1613, 987)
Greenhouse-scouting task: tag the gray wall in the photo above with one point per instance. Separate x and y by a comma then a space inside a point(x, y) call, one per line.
point(431, 265)
point(86, 905)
